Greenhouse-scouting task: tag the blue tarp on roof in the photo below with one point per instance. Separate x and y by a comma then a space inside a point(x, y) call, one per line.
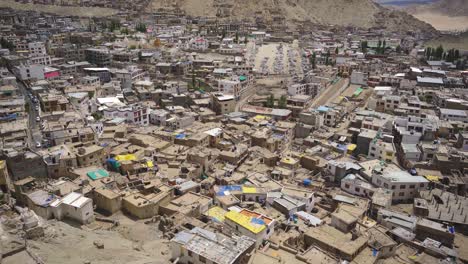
point(228, 188)
point(180, 136)
point(323, 109)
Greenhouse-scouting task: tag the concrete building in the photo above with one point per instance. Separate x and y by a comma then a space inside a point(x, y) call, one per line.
point(202, 246)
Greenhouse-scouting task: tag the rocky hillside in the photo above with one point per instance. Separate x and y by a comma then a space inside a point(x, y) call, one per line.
point(361, 13)
point(447, 7)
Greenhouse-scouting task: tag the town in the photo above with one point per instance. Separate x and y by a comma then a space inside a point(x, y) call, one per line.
point(157, 137)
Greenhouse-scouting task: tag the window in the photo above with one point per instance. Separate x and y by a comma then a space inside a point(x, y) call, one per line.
point(357, 189)
point(190, 253)
point(393, 187)
point(401, 194)
point(202, 259)
point(412, 186)
point(346, 186)
point(403, 186)
point(421, 185)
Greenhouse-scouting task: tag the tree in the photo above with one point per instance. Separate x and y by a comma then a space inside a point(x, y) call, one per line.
point(457, 54)
point(141, 27)
point(157, 43)
point(246, 40)
point(193, 77)
point(337, 50)
point(114, 25)
point(313, 60)
point(398, 49)
point(327, 58)
point(237, 37)
point(439, 52)
point(7, 44)
point(124, 31)
point(364, 46)
point(283, 102)
point(270, 101)
point(223, 34)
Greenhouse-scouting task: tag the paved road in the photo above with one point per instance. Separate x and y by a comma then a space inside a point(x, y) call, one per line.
point(330, 93)
point(34, 133)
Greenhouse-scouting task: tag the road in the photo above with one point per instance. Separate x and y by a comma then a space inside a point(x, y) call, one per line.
point(330, 93)
point(34, 132)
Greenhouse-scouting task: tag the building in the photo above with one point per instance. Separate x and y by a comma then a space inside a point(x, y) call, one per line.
point(224, 104)
point(251, 224)
point(98, 57)
point(202, 246)
point(73, 206)
point(133, 114)
point(404, 185)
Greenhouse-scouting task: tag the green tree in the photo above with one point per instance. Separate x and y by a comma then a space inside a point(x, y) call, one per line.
point(398, 49)
point(313, 60)
point(237, 37)
point(7, 44)
point(283, 101)
point(364, 46)
point(439, 52)
point(270, 101)
point(141, 27)
point(337, 50)
point(246, 40)
point(327, 58)
point(223, 34)
point(193, 77)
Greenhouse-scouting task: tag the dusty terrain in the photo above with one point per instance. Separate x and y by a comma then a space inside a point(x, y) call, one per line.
point(60, 10)
point(451, 41)
point(362, 13)
point(131, 242)
point(447, 15)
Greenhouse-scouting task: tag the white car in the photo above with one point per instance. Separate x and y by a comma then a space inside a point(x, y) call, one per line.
point(38, 119)
point(38, 144)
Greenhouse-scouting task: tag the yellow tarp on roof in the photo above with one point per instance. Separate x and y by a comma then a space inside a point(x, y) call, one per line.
point(125, 157)
point(150, 164)
point(248, 189)
point(352, 147)
point(432, 178)
point(288, 160)
point(217, 213)
point(244, 221)
point(260, 117)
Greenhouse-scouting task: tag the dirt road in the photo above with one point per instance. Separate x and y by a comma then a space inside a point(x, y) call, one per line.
point(330, 93)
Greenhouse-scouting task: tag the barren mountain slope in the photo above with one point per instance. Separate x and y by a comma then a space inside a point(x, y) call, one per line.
point(361, 13)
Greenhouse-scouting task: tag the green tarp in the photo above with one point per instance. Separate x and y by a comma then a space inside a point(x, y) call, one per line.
point(97, 174)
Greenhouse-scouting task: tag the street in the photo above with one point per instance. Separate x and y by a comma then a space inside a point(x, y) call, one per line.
point(34, 133)
point(330, 93)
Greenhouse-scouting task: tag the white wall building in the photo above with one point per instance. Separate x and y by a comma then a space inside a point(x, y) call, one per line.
point(135, 114)
point(73, 206)
point(404, 185)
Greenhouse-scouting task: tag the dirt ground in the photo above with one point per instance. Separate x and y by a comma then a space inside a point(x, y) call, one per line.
point(131, 242)
point(444, 22)
point(61, 10)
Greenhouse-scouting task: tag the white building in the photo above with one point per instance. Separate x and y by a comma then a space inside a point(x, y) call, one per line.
point(73, 206)
point(135, 114)
point(359, 78)
point(251, 224)
point(312, 89)
point(453, 115)
point(354, 185)
point(35, 49)
point(29, 72)
point(379, 149)
point(198, 43)
point(129, 75)
point(404, 185)
point(202, 246)
point(240, 86)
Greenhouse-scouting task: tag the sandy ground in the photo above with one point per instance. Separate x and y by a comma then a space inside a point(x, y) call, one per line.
point(60, 10)
point(274, 58)
point(132, 242)
point(443, 22)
